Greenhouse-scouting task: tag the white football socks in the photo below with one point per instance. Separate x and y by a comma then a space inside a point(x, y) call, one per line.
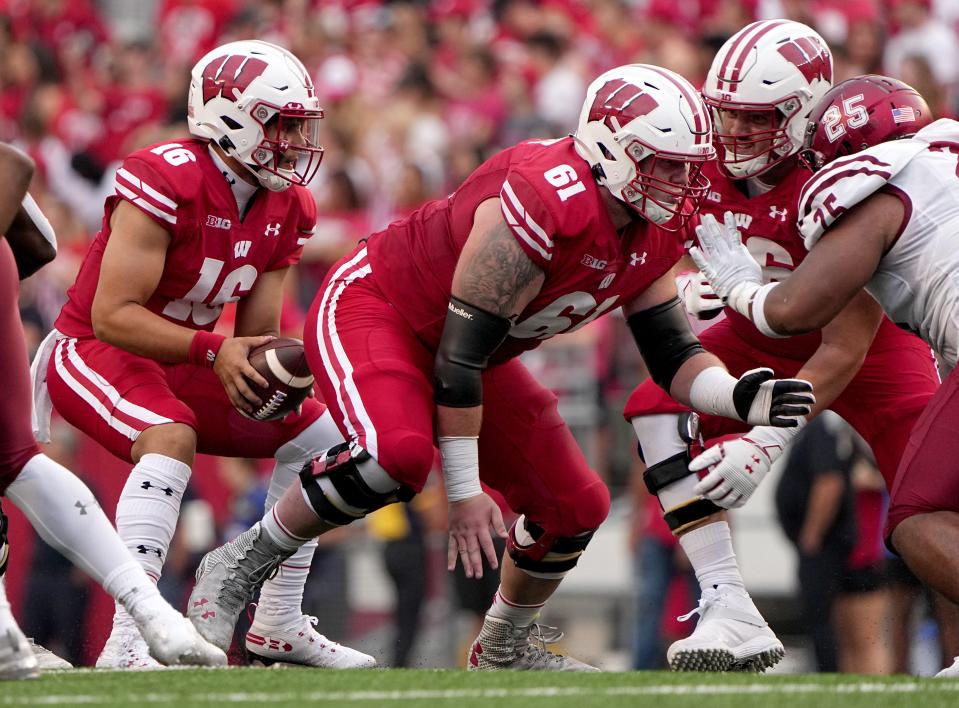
point(281, 597)
point(710, 552)
point(518, 615)
point(64, 512)
point(147, 513)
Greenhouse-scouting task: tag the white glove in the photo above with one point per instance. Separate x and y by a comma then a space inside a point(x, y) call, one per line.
point(698, 296)
point(738, 466)
point(726, 262)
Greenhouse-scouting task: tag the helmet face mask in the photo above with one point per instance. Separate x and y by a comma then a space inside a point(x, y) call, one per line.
point(778, 66)
point(290, 146)
point(256, 101)
point(859, 113)
point(763, 145)
point(646, 134)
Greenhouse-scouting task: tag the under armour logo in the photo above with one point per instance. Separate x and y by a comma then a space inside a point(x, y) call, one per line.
point(83, 507)
point(634, 258)
point(207, 614)
point(272, 229)
point(149, 485)
point(775, 213)
point(149, 549)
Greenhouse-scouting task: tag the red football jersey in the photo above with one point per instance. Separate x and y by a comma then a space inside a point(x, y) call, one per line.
point(214, 257)
point(555, 210)
point(767, 223)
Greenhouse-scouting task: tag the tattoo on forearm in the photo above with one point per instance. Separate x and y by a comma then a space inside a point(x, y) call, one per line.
point(498, 274)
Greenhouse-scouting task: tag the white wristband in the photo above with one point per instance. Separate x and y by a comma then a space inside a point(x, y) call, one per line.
point(758, 312)
point(460, 457)
point(712, 392)
point(39, 220)
point(772, 440)
point(741, 295)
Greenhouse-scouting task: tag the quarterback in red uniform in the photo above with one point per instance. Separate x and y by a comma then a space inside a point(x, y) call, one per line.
point(59, 505)
point(762, 86)
point(414, 338)
point(133, 362)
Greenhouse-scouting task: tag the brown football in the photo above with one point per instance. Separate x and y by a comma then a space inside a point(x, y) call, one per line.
point(282, 362)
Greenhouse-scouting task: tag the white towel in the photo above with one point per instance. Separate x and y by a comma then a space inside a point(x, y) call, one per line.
point(42, 405)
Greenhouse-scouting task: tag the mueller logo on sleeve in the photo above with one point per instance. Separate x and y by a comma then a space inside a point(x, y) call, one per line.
point(459, 311)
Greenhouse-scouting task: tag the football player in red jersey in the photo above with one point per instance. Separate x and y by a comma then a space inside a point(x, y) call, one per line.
point(415, 336)
point(133, 362)
point(880, 213)
point(59, 505)
point(762, 86)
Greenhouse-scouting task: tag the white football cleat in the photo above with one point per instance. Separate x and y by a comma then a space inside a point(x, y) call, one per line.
point(172, 638)
point(226, 580)
point(126, 649)
point(16, 658)
point(950, 671)
point(298, 644)
point(503, 646)
point(731, 635)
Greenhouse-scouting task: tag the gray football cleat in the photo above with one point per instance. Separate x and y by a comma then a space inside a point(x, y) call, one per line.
point(503, 646)
point(226, 580)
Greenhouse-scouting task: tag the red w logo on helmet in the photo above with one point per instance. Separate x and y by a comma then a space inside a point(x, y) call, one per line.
point(809, 56)
point(228, 76)
point(621, 100)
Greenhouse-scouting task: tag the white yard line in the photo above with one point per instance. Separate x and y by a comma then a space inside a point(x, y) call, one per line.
point(482, 693)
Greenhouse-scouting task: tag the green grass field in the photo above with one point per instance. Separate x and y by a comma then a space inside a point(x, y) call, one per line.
point(277, 688)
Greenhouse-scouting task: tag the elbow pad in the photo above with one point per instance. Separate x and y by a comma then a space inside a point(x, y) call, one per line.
point(664, 339)
point(470, 336)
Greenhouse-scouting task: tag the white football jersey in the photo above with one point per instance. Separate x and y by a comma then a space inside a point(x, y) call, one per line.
point(917, 281)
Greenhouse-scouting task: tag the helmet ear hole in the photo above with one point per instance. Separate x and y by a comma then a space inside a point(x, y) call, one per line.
point(230, 123)
point(606, 153)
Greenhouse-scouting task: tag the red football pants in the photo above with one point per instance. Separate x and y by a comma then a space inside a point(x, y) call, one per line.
point(377, 378)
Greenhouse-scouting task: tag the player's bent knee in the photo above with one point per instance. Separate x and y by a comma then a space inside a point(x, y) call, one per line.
point(542, 554)
point(176, 440)
point(346, 485)
point(673, 483)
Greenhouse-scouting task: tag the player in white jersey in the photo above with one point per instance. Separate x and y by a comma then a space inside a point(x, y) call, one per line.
point(882, 212)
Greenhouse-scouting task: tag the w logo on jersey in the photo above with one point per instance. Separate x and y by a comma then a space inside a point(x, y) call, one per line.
point(229, 76)
point(620, 101)
point(810, 56)
point(241, 248)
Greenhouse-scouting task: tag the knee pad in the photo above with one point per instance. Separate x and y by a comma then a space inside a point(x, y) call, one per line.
point(346, 484)
point(673, 483)
point(544, 555)
point(4, 546)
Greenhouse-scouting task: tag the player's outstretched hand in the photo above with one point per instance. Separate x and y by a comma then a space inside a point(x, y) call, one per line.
point(698, 296)
point(470, 537)
point(736, 467)
point(722, 257)
point(233, 368)
point(762, 400)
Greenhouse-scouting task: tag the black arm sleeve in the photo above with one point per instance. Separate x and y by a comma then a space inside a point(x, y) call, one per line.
point(470, 336)
point(664, 339)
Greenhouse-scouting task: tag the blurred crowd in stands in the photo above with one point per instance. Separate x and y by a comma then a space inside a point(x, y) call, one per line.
point(416, 95)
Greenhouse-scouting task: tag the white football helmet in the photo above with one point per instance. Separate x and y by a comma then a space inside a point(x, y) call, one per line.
point(256, 101)
point(779, 66)
point(638, 111)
